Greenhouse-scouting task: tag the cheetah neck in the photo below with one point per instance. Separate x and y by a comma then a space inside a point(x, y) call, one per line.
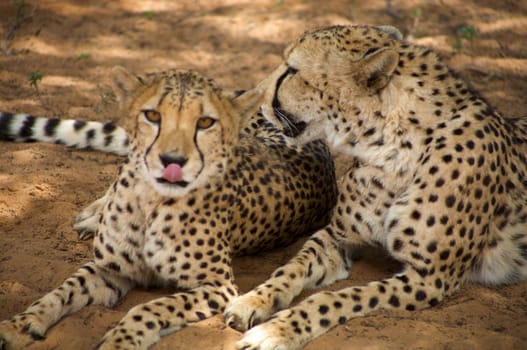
point(374, 131)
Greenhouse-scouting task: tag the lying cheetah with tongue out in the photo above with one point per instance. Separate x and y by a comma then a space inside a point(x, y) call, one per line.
point(206, 178)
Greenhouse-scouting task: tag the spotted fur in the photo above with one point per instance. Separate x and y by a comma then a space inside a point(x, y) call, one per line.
point(206, 178)
point(437, 178)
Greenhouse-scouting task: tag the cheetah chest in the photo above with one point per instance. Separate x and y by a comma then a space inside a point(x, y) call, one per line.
point(175, 241)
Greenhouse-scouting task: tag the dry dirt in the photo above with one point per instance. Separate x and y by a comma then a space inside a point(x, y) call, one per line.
point(74, 44)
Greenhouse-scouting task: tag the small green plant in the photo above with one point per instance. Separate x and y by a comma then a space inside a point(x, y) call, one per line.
point(467, 32)
point(149, 14)
point(34, 79)
point(464, 33)
point(417, 12)
point(84, 56)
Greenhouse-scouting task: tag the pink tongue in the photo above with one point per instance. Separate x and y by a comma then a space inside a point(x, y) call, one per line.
point(173, 173)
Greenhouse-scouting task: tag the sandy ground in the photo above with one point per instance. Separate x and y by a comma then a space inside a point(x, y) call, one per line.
point(73, 44)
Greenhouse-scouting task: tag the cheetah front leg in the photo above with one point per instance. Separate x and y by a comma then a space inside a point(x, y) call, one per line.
point(89, 285)
point(436, 263)
point(293, 328)
point(324, 258)
point(144, 324)
point(322, 261)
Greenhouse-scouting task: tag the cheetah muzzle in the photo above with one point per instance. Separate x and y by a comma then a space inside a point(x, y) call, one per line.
point(292, 126)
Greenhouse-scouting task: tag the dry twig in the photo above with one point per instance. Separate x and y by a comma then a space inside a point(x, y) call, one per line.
point(20, 19)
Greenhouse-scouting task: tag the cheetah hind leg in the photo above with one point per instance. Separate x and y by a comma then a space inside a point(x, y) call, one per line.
point(87, 221)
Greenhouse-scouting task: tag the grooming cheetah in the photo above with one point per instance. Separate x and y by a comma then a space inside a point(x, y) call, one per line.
point(439, 182)
point(205, 178)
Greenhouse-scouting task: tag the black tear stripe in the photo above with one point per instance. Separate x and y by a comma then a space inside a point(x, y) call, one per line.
point(149, 148)
point(201, 157)
point(279, 81)
point(292, 128)
point(5, 125)
point(51, 127)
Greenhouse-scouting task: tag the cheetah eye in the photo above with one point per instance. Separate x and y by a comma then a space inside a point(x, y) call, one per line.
point(152, 115)
point(205, 122)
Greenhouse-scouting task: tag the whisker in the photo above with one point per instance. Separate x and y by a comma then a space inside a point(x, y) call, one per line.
point(284, 119)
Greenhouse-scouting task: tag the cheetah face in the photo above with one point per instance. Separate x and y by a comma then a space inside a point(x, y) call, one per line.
point(184, 130)
point(182, 148)
point(330, 76)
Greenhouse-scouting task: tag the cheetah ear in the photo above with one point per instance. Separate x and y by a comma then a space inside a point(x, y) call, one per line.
point(392, 31)
point(124, 83)
point(376, 69)
point(248, 101)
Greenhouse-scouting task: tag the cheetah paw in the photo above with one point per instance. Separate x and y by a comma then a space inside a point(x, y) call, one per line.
point(266, 336)
point(19, 332)
point(246, 311)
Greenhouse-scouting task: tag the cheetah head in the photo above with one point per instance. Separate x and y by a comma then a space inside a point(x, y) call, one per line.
point(183, 127)
point(330, 74)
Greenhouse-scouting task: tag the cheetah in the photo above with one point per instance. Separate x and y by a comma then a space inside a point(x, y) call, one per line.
point(206, 178)
point(437, 179)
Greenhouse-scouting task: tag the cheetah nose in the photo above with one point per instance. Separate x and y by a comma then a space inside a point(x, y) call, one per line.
point(167, 159)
